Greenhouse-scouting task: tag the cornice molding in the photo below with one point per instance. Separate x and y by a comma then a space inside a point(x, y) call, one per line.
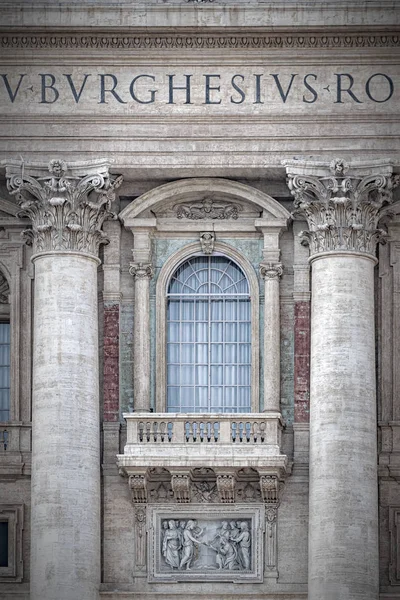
point(210, 40)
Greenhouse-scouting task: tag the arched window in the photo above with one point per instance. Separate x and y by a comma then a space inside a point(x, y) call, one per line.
point(208, 337)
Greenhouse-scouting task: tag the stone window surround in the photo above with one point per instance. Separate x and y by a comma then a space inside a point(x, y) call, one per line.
point(11, 256)
point(270, 222)
point(164, 277)
point(13, 514)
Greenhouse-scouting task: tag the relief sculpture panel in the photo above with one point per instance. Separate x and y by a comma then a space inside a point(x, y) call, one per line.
point(193, 545)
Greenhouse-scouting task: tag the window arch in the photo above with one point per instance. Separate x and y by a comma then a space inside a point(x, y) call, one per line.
point(209, 337)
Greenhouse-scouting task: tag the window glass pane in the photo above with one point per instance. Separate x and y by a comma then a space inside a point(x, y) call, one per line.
point(173, 353)
point(208, 337)
point(187, 353)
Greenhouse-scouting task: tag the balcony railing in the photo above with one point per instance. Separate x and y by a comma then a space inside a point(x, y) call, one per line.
point(180, 442)
point(178, 428)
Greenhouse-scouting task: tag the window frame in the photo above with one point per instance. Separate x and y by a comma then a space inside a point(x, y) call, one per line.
point(13, 514)
point(166, 272)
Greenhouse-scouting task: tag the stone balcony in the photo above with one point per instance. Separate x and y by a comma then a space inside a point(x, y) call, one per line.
point(163, 448)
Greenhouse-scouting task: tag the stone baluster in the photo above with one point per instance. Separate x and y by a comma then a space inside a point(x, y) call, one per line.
point(271, 273)
point(342, 207)
point(67, 205)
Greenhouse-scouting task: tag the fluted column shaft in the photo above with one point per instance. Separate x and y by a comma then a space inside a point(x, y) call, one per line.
point(67, 205)
point(142, 274)
point(342, 207)
point(271, 274)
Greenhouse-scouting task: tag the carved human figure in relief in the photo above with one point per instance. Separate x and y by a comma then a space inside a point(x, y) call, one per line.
point(244, 545)
point(171, 545)
point(188, 545)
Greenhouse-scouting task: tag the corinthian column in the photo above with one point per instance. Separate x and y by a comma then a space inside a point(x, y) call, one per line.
point(67, 205)
point(342, 206)
point(271, 273)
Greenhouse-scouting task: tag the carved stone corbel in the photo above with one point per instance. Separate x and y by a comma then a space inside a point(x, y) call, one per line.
point(226, 488)
point(181, 487)
point(138, 487)
point(269, 486)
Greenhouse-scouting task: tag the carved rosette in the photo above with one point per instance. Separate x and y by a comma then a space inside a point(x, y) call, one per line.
point(141, 270)
point(342, 209)
point(67, 204)
point(271, 271)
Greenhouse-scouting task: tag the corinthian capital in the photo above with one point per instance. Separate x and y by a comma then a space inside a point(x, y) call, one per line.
point(342, 204)
point(67, 203)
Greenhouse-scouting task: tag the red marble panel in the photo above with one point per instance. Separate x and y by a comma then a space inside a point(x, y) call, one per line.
point(111, 363)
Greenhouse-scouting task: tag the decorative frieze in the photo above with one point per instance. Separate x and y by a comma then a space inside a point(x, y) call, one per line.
point(66, 203)
point(178, 41)
point(342, 205)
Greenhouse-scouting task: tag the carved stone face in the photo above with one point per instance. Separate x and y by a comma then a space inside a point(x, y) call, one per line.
point(207, 204)
point(171, 524)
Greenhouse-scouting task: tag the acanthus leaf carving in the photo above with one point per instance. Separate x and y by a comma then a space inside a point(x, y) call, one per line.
point(67, 205)
point(342, 208)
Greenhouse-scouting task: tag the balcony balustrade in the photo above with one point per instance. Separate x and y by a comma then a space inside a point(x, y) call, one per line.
point(176, 440)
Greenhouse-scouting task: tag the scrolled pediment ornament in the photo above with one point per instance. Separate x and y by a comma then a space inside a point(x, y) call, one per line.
point(67, 204)
point(207, 209)
point(342, 208)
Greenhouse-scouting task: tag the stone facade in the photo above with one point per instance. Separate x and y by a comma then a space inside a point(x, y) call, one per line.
point(135, 138)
